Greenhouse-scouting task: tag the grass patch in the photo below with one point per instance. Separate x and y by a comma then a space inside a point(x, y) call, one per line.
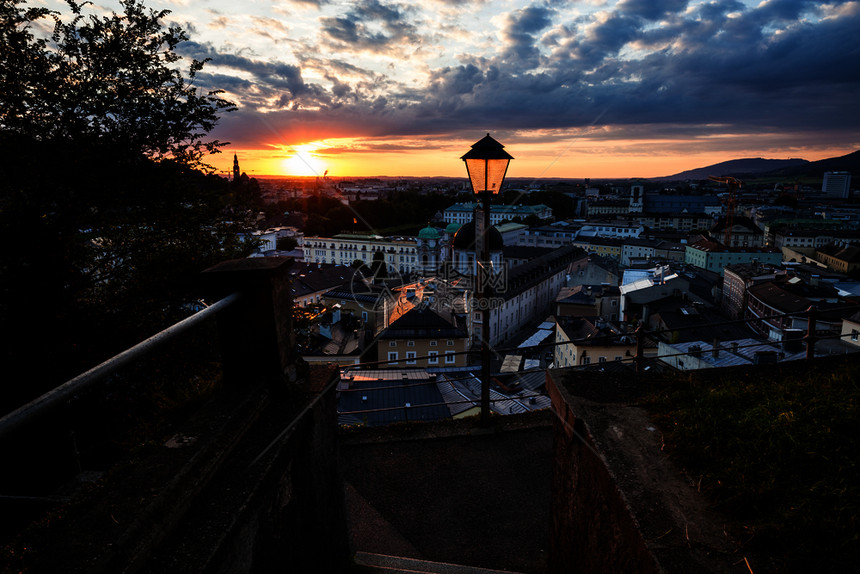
point(776, 450)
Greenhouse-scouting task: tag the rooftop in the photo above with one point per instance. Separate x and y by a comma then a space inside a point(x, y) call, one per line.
point(421, 323)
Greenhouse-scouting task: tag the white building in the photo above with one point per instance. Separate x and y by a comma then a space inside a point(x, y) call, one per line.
point(648, 249)
point(403, 255)
point(400, 254)
point(524, 293)
point(809, 238)
point(612, 229)
point(694, 355)
point(463, 213)
point(554, 235)
point(269, 238)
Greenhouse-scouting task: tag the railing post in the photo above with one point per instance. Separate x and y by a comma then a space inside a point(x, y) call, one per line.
point(810, 331)
point(256, 335)
point(640, 348)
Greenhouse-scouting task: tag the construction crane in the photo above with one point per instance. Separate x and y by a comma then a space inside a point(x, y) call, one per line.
point(734, 184)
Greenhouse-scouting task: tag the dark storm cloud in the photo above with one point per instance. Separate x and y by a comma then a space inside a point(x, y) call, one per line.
point(727, 71)
point(717, 9)
point(783, 10)
point(371, 26)
point(775, 67)
point(600, 41)
point(271, 79)
point(651, 9)
point(520, 32)
point(282, 75)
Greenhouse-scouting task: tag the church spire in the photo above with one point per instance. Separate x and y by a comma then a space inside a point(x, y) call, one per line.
point(235, 167)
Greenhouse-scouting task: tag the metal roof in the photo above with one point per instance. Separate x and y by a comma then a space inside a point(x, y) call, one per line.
point(536, 338)
point(511, 364)
point(383, 397)
point(456, 401)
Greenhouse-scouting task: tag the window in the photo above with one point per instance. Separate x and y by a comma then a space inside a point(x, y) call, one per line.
point(854, 334)
point(392, 343)
point(601, 360)
point(450, 343)
point(618, 358)
point(433, 358)
point(434, 343)
point(585, 360)
point(450, 358)
point(410, 343)
point(410, 357)
point(392, 357)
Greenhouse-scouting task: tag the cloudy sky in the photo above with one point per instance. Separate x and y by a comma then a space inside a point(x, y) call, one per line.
point(591, 88)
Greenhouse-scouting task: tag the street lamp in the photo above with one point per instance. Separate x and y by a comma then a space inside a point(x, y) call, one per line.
point(486, 163)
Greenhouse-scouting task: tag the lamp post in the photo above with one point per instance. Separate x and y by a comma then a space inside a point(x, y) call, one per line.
point(486, 163)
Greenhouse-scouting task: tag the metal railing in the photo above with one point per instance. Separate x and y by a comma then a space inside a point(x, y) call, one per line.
point(97, 418)
point(70, 390)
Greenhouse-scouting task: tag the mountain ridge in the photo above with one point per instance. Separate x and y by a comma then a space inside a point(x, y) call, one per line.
point(759, 167)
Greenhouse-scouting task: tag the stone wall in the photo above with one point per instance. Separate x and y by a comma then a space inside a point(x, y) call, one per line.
point(592, 529)
point(619, 504)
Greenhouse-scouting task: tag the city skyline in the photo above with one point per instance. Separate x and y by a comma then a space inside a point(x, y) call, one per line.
point(594, 89)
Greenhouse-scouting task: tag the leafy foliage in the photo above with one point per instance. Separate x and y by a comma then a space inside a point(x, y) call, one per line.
point(111, 80)
point(105, 215)
point(404, 209)
point(779, 451)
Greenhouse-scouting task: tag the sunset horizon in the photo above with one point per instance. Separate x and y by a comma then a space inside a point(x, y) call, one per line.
point(599, 89)
point(256, 163)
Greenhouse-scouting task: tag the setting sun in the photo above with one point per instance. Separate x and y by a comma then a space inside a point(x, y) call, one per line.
point(303, 162)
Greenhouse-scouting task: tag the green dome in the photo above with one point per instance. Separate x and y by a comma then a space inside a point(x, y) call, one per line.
point(428, 233)
point(452, 228)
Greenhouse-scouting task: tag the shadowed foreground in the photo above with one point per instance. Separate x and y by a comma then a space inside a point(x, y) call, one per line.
point(474, 499)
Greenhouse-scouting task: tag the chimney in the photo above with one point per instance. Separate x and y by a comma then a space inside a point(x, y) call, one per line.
point(715, 352)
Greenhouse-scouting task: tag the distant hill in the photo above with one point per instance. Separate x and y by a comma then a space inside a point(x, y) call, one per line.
point(738, 167)
point(850, 163)
point(771, 167)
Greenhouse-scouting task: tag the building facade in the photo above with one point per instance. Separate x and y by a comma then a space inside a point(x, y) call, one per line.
point(528, 292)
point(401, 255)
point(463, 213)
point(676, 221)
point(619, 229)
point(549, 236)
point(584, 341)
point(422, 338)
point(837, 184)
point(739, 277)
point(715, 257)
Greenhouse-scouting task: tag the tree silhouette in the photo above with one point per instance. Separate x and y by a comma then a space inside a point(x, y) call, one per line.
point(105, 215)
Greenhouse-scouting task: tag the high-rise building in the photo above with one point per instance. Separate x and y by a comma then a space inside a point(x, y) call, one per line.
point(235, 167)
point(836, 184)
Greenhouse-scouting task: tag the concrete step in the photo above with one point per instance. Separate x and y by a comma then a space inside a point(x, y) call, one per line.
point(382, 564)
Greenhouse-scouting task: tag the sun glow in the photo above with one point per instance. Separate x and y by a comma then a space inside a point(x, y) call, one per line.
point(303, 162)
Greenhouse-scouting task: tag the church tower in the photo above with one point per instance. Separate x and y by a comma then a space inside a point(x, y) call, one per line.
point(637, 199)
point(235, 167)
